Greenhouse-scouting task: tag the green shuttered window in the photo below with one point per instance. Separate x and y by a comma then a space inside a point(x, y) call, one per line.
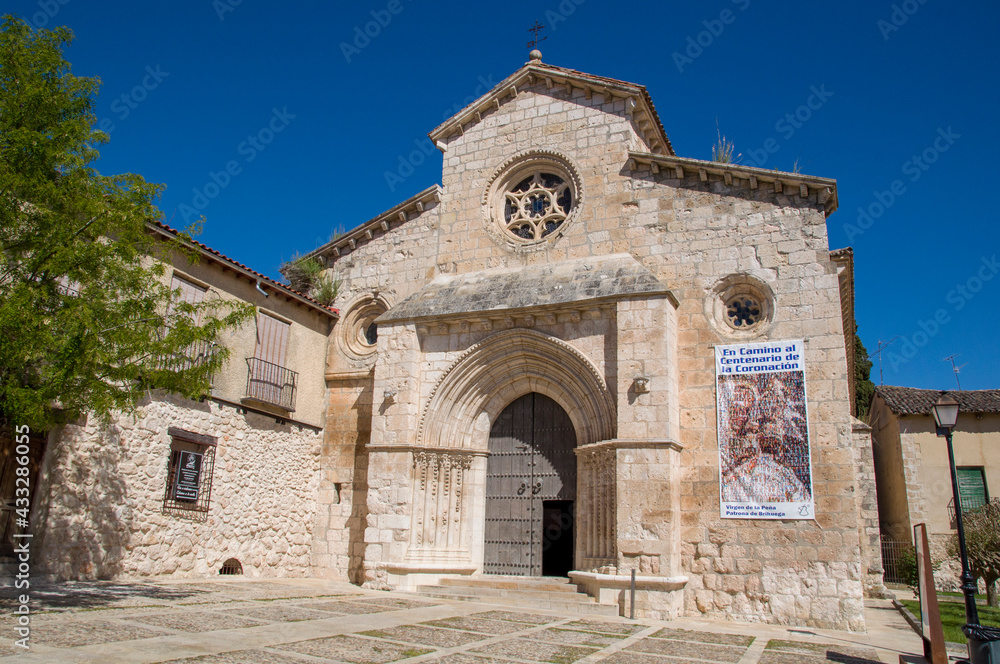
point(972, 488)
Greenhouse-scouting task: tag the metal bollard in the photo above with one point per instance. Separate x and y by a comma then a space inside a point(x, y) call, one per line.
point(632, 600)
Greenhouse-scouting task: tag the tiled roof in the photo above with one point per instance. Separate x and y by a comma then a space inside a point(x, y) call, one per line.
point(914, 401)
point(278, 286)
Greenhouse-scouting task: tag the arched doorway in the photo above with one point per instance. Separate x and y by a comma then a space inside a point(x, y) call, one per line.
point(530, 490)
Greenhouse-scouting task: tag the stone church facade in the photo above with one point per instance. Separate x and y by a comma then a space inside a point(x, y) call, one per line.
point(521, 381)
point(563, 290)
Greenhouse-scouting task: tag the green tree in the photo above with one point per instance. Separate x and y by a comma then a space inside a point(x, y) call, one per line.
point(87, 321)
point(864, 388)
point(982, 543)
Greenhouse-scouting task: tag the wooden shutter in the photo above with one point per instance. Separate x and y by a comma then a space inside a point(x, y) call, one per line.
point(971, 488)
point(272, 339)
point(190, 292)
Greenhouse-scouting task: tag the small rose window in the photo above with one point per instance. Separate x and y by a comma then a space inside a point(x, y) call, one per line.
point(744, 312)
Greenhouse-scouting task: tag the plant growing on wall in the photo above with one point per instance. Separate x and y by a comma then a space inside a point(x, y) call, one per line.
point(85, 315)
point(301, 273)
point(724, 151)
point(325, 289)
point(307, 275)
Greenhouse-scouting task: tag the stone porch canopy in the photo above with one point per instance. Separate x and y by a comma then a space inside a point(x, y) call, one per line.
point(574, 284)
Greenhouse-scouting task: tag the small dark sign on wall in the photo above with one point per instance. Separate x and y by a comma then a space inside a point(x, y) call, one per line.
point(188, 478)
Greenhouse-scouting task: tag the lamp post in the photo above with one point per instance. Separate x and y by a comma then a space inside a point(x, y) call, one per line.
point(946, 416)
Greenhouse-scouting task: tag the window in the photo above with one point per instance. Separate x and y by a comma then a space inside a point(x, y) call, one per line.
point(189, 474)
point(741, 306)
point(972, 488)
point(198, 352)
point(357, 329)
point(272, 339)
point(537, 205)
point(268, 381)
point(190, 293)
point(531, 199)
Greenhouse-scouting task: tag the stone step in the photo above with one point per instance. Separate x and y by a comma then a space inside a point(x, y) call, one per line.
point(588, 608)
point(525, 593)
point(547, 593)
point(548, 584)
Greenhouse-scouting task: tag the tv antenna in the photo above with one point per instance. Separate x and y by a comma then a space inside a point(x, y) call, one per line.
point(951, 358)
point(882, 345)
point(536, 28)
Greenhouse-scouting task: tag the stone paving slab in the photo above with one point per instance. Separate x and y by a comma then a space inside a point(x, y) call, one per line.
point(780, 651)
point(576, 637)
point(462, 658)
point(626, 657)
point(71, 634)
point(347, 608)
point(703, 637)
point(512, 616)
point(278, 612)
point(240, 657)
point(197, 621)
point(605, 626)
point(356, 650)
point(687, 649)
point(481, 625)
point(535, 651)
point(428, 636)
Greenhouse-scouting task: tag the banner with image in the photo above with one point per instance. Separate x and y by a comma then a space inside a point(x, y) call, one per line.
point(764, 461)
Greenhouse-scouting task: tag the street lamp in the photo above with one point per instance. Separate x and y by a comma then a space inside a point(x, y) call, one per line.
point(945, 416)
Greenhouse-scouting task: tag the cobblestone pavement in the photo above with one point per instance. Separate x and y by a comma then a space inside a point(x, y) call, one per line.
point(307, 620)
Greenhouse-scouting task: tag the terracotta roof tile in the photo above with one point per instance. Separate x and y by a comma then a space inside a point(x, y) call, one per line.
point(914, 401)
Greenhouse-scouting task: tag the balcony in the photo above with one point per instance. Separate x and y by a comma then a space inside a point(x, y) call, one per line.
point(969, 503)
point(192, 356)
point(271, 384)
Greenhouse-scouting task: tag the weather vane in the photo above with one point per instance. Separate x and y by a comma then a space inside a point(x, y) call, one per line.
point(536, 28)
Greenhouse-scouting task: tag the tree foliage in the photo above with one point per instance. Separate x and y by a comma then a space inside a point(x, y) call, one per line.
point(87, 320)
point(982, 543)
point(864, 388)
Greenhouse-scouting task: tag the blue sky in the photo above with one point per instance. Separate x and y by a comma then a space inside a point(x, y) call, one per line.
point(904, 98)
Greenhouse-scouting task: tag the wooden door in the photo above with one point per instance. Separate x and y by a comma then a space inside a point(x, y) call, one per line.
point(9, 485)
point(530, 461)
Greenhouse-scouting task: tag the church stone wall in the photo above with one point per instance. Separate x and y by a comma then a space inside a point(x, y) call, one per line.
point(100, 508)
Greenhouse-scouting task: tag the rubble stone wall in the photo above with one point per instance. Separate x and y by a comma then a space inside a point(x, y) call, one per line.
point(102, 488)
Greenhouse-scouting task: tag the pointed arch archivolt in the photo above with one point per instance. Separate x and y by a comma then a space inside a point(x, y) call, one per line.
point(503, 367)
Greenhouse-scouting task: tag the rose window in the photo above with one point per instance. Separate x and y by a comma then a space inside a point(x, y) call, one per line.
point(743, 312)
point(537, 205)
point(532, 200)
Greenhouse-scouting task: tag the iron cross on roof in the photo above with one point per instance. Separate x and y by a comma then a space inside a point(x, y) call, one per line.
point(536, 28)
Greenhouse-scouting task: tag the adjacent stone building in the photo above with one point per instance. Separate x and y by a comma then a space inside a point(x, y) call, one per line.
point(522, 382)
point(112, 500)
point(912, 469)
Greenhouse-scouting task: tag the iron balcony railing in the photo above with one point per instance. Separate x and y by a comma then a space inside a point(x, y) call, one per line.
point(189, 357)
point(969, 503)
point(271, 383)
